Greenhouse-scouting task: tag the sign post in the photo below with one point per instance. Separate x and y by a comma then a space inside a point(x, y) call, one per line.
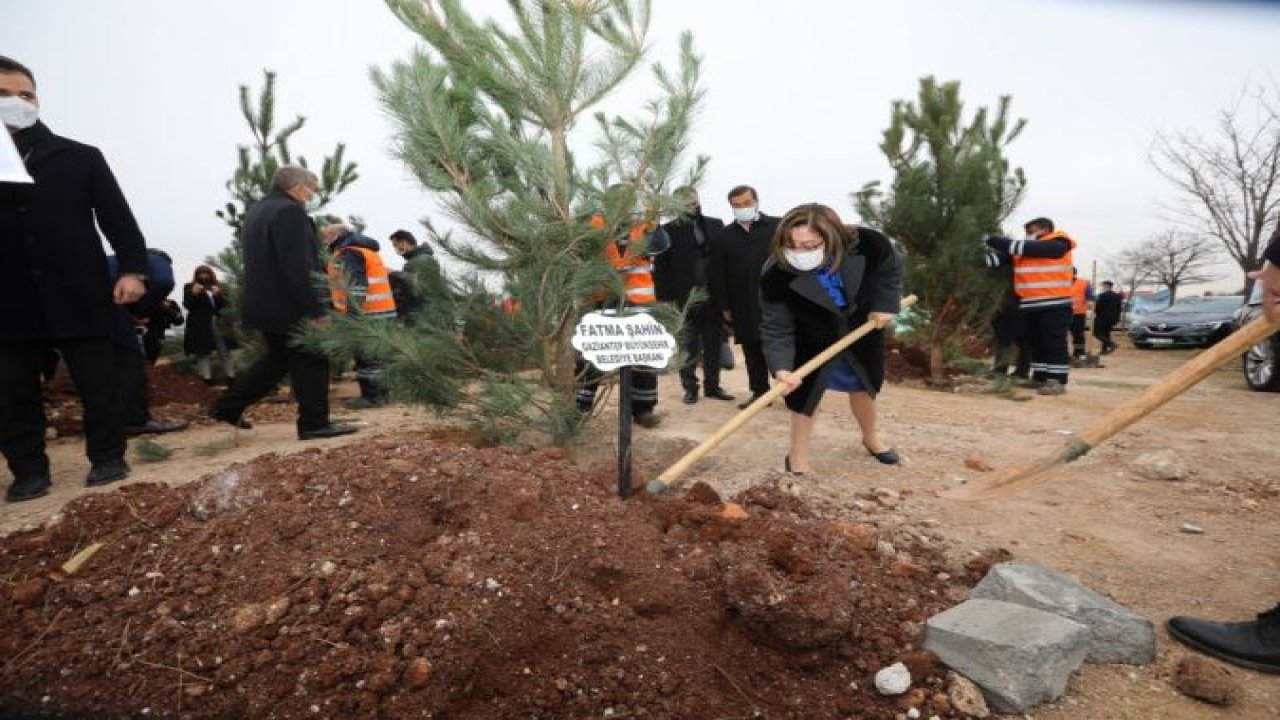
point(613, 340)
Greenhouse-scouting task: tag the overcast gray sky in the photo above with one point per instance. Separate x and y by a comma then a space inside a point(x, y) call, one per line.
point(799, 93)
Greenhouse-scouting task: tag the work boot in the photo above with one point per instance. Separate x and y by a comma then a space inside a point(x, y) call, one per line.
point(28, 488)
point(1254, 645)
point(647, 419)
point(1052, 387)
point(107, 472)
point(240, 422)
point(1031, 384)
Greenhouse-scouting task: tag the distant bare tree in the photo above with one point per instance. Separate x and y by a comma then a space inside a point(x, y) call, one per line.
point(1229, 182)
point(1130, 269)
point(1175, 259)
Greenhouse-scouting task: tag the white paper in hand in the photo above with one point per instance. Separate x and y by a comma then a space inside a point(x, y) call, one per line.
point(11, 167)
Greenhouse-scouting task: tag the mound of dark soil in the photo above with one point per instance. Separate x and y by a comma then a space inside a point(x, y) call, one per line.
point(408, 577)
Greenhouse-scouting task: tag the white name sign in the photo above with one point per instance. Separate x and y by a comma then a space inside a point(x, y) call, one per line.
point(610, 341)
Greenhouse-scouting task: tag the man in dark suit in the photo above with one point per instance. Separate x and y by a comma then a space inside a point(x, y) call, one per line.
point(1106, 314)
point(281, 268)
point(676, 272)
point(737, 256)
point(56, 290)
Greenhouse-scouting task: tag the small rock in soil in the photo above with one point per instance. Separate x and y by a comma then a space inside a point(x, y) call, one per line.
point(979, 463)
point(418, 673)
point(1160, 465)
point(884, 548)
point(861, 535)
point(1203, 680)
point(893, 680)
point(966, 697)
point(1190, 529)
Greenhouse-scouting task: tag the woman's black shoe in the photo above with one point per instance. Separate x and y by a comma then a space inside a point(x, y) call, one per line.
point(786, 465)
point(888, 457)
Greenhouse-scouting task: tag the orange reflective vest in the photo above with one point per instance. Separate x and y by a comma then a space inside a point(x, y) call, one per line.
point(378, 301)
point(1080, 297)
point(636, 270)
point(1043, 281)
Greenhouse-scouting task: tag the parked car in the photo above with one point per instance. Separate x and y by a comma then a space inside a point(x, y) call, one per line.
point(1262, 361)
point(1192, 322)
point(1141, 304)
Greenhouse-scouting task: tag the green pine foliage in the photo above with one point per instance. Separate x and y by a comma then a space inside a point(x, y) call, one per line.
point(952, 187)
point(489, 117)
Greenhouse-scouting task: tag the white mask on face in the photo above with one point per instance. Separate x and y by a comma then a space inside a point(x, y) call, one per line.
point(18, 114)
point(313, 203)
point(746, 215)
point(804, 260)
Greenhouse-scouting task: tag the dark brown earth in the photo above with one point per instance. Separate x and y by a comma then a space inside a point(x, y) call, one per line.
point(420, 577)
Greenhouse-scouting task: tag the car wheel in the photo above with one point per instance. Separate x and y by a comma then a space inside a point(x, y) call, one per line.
point(1142, 346)
point(1262, 366)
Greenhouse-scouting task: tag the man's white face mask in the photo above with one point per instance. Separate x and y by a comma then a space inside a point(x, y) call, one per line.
point(17, 113)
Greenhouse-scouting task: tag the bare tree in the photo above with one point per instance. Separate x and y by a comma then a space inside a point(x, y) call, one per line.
point(1229, 182)
point(1174, 259)
point(1130, 269)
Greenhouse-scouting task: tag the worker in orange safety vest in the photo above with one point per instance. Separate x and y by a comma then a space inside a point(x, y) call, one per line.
point(1043, 277)
point(1081, 296)
point(360, 285)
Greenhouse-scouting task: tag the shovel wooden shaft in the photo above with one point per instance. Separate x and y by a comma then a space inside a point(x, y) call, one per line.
point(669, 477)
point(1019, 477)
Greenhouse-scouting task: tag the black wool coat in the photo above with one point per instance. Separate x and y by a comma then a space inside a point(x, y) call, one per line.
point(203, 309)
point(801, 320)
point(674, 271)
point(284, 281)
point(737, 258)
point(54, 281)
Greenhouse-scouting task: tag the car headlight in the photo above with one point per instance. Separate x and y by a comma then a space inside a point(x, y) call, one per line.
point(1207, 325)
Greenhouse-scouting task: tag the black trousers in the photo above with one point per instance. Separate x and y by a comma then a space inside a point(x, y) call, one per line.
point(131, 370)
point(757, 367)
point(1077, 336)
point(644, 387)
point(1012, 348)
point(22, 419)
point(308, 374)
point(1102, 331)
point(366, 378)
point(700, 340)
point(1047, 330)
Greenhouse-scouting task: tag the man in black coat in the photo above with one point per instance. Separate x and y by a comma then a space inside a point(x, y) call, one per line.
point(55, 287)
point(737, 256)
point(281, 270)
point(676, 272)
point(1106, 315)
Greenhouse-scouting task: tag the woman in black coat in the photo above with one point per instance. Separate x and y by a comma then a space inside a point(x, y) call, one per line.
point(203, 298)
point(823, 279)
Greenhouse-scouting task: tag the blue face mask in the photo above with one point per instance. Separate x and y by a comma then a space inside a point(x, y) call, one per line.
point(313, 203)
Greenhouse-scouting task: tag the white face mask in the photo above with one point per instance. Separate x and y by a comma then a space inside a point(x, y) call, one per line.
point(746, 215)
point(804, 260)
point(18, 114)
point(313, 203)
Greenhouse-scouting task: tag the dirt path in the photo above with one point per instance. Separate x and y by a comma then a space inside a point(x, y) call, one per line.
point(1098, 520)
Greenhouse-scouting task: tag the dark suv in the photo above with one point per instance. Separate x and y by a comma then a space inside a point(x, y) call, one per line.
point(1262, 361)
point(1193, 322)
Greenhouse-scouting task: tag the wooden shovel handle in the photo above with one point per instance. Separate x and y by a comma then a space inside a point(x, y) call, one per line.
point(1020, 477)
point(668, 478)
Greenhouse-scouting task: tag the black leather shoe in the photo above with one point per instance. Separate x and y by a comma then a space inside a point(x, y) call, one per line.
point(107, 472)
point(718, 394)
point(328, 431)
point(747, 403)
point(156, 427)
point(888, 457)
point(786, 466)
point(690, 397)
point(364, 403)
point(28, 488)
point(1254, 645)
point(239, 422)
